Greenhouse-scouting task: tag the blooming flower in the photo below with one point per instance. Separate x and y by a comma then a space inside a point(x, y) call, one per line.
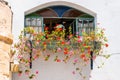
point(60, 29)
point(58, 41)
point(84, 44)
point(46, 28)
point(65, 50)
point(79, 40)
point(38, 41)
point(58, 38)
point(37, 72)
point(19, 56)
point(76, 60)
point(73, 72)
point(70, 36)
point(77, 32)
point(19, 74)
point(106, 45)
point(79, 37)
point(44, 43)
point(94, 57)
point(68, 42)
point(63, 42)
point(58, 60)
point(71, 53)
point(26, 73)
point(58, 49)
point(82, 55)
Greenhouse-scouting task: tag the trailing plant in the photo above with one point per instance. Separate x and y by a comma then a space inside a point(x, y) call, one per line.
point(57, 41)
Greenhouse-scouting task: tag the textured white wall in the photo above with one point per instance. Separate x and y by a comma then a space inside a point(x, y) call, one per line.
point(51, 70)
point(108, 15)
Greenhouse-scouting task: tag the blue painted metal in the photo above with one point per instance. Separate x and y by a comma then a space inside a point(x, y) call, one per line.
point(91, 60)
point(77, 31)
point(60, 9)
point(42, 24)
point(31, 49)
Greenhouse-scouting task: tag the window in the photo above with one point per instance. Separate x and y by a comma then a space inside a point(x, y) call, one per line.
point(34, 22)
point(67, 16)
point(85, 25)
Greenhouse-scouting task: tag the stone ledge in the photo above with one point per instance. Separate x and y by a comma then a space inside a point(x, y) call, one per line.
point(7, 38)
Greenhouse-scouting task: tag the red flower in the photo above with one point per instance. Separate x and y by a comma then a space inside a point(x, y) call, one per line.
point(79, 40)
point(60, 29)
point(78, 36)
point(84, 44)
point(38, 41)
point(86, 59)
point(82, 55)
point(58, 60)
point(106, 45)
point(46, 28)
point(63, 42)
point(89, 47)
point(65, 52)
point(58, 38)
point(89, 51)
point(65, 49)
point(44, 43)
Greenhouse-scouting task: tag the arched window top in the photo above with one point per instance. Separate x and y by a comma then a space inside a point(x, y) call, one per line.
point(60, 4)
point(59, 11)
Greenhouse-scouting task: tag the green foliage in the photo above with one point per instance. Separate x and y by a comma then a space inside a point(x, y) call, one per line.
point(57, 42)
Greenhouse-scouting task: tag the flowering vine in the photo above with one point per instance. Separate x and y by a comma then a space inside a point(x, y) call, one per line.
point(57, 41)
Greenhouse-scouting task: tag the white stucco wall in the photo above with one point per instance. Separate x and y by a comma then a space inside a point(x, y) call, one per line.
point(108, 15)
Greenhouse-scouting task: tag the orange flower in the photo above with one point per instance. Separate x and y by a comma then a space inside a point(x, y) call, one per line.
point(70, 36)
point(89, 47)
